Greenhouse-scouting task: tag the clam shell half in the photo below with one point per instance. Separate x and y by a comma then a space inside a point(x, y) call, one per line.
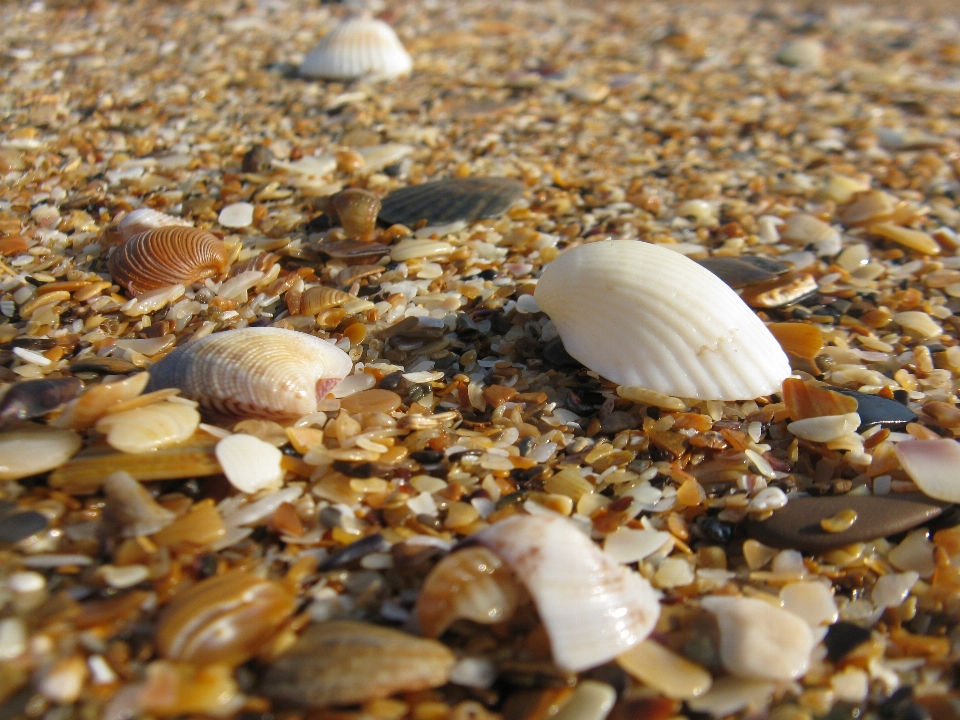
point(254, 372)
point(357, 47)
point(639, 314)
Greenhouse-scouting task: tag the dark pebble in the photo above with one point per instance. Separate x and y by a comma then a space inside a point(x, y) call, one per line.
point(900, 706)
point(427, 457)
point(450, 200)
point(35, 398)
point(716, 531)
point(418, 392)
point(16, 527)
point(555, 354)
point(525, 445)
point(842, 638)
point(736, 272)
point(489, 274)
point(354, 551)
point(876, 410)
point(392, 381)
point(797, 525)
point(257, 159)
point(618, 421)
point(528, 478)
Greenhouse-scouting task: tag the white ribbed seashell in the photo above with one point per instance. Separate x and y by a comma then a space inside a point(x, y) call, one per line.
point(141, 219)
point(592, 607)
point(254, 372)
point(642, 315)
point(357, 47)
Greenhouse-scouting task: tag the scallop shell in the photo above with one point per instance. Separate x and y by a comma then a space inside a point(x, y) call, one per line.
point(254, 372)
point(643, 315)
point(167, 256)
point(447, 201)
point(592, 607)
point(143, 219)
point(317, 299)
point(357, 47)
point(357, 211)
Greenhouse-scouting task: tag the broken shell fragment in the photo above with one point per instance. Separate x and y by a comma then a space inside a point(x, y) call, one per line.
point(33, 449)
point(592, 607)
point(224, 619)
point(167, 256)
point(470, 584)
point(343, 662)
point(131, 508)
point(642, 315)
point(148, 428)
point(357, 47)
point(356, 210)
point(448, 201)
point(254, 372)
point(933, 466)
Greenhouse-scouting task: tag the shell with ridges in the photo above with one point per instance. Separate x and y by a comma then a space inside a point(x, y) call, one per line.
point(357, 211)
point(317, 299)
point(167, 256)
point(357, 47)
point(143, 219)
point(254, 372)
point(592, 607)
point(447, 201)
point(642, 315)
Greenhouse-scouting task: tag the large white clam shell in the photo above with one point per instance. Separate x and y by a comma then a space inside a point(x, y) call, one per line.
point(254, 372)
point(592, 607)
point(639, 314)
point(357, 47)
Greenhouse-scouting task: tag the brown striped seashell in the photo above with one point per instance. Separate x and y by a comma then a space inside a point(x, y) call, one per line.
point(317, 299)
point(167, 256)
point(254, 372)
point(356, 210)
point(224, 619)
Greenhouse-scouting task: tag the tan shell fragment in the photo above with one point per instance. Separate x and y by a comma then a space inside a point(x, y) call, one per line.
point(642, 315)
point(254, 372)
point(167, 256)
point(343, 662)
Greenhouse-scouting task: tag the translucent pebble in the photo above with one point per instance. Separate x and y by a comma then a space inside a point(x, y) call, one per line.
point(914, 553)
point(673, 572)
point(788, 562)
point(249, 463)
point(812, 601)
point(527, 304)
point(805, 53)
point(13, 638)
point(474, 672)
point(893, 588)
point(237, 215)
point(664, 670)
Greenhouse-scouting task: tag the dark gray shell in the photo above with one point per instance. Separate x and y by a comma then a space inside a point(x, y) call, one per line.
point(447, 201)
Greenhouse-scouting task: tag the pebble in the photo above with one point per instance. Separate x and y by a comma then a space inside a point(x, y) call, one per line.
point(842, 638)
point(732, 694)
point(13, 638)
point(662, 669)
point(249, 463)
point(17, 526)
point(63, 682)
point(825, 428)
point(812, 601)
point(850, 685)
point(804, 53)
point(591, 700)
point(876, 410)
point(412, 249)
point(797, 525)
point(892, 589)
point(673, 572)
point(915, 553)
point(373, 400)
point(918, 324)
point(759, 641)
point(124, 576)
point(770, 498)
point(237, 215)
point(26, 581)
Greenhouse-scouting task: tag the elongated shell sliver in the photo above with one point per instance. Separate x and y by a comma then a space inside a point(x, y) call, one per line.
point(254, 372)
point(639, 314)
point(592, 607)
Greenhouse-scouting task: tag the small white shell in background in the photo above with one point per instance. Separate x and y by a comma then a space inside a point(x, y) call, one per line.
point(592, 608)
point(642, 315)
point(934, 465)
point(357, 47)
point(236, 215)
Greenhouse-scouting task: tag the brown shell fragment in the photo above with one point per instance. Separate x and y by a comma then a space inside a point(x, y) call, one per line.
point(808, 400)
point(343, 662)
point(225, 619)
point(167, 256)
point(356, 210)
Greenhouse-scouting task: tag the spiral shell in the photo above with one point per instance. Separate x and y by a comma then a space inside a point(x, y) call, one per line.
point(357, 47)
point(643, 315)
point(357, 211)
point(318, 299)
point(165, 256)
point(143, 219)
point(254, 372)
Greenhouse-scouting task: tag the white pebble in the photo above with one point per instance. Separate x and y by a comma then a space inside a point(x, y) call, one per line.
point(26, 581)
point(771, 498)
point(851, 685)
point(789, 562)
point(100, 670)
point(812, 601)
point(474, 672)
point(914, 553)
point(249, 463)
point(918, 324)
point(13, 638)
point(591, 700)
point(892, 589)
point(237, 215)
point(806, 53)
point(64, 681)
point(423, 504)
point(29, 356)
point(759, 641)
point(731, 694)
point(527, 304)
point(673, 572)
point(124, 576)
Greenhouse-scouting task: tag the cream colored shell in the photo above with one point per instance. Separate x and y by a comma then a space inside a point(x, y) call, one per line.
point(357, 47)
point(254, 372)
point(642, 315)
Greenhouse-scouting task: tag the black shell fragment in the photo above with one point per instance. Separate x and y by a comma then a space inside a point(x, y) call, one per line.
point(447, 201)
point(876, 410)
point(735, 272)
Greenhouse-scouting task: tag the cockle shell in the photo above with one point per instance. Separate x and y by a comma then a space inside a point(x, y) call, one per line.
point(592, 607)
point(143, 219)
point(357, 47)
point(357, 211)
point(167, 256)
point(642, 315)
point(254, 372)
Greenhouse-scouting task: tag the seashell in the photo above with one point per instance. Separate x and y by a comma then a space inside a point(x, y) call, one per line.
point(809, 400)
point(147, 428)
point(317, 299)
point(352, 249)
point(357, 47)
point(470, 584)
point(932, 465)
point(34, 398)
point(257, 372)
point(447, 201)
point(356, 210)
point(33, 449)
point(131, 508)
point(167, 256)
point(143, 219)
point(592, 608)
point(643, 315)
point(342, 662)
point(225, 619)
